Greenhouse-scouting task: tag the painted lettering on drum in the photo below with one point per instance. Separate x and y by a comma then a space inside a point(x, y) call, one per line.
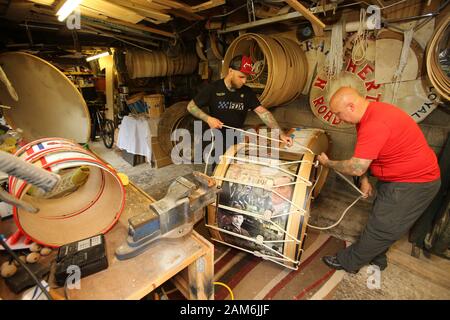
point(322, 109)
point(328, 116)
point(372, 98)
point(361, 76)
point(320, 83)
point(319, 101)
point(368, 69)
point(351, 67)
point(325, 112)
point(426, 107)
point(372, 85)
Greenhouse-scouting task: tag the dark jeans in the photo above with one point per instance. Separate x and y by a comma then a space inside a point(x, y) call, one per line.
point(397, 206)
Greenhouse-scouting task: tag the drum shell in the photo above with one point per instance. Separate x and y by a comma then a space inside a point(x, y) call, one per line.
point(238, 197)
point(92, 209)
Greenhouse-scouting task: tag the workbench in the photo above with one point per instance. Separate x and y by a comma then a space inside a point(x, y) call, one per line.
point(188, 261)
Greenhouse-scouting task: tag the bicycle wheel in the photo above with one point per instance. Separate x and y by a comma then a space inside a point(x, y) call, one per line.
point(108, 133)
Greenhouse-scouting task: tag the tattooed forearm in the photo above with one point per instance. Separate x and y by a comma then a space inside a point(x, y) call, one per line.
point(353, 167)
point(196, 111)
point(267, 117)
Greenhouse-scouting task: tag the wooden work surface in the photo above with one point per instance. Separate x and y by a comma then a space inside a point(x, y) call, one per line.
point(136, 277)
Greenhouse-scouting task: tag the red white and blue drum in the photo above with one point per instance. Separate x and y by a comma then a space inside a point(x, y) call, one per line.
point(92, 209)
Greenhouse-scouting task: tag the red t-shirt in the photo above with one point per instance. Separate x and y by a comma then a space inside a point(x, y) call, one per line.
point(390, 137)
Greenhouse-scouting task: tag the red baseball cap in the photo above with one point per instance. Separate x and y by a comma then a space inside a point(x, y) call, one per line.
point(246, 65)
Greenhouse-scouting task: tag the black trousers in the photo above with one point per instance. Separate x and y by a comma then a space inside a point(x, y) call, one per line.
point(396, 208)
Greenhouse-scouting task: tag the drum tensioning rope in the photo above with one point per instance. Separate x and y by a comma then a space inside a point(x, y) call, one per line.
point(362, 194)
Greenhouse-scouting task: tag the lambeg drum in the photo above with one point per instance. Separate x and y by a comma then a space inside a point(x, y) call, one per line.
point(93, 208)
point(265, 200)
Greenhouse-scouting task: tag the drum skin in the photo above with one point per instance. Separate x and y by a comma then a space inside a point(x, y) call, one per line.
point(49, 104)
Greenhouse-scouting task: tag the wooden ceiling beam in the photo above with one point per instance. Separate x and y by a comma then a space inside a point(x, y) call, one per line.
point(151, 5)
point(43, 2)
point(190, 16)
point(317, 24)
point(126, 24)
point(207, 5)
point(112, 10)
point(142, 10)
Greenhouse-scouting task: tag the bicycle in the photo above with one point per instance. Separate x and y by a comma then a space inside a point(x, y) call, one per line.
point(104, 126)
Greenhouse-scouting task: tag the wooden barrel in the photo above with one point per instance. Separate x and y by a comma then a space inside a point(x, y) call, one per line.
point(270, 198)
point(92, 209)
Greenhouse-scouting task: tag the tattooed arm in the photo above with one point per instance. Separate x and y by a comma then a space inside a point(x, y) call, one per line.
point(366, 187)
point(353, 166)
point(267, 117)
point(198, 113)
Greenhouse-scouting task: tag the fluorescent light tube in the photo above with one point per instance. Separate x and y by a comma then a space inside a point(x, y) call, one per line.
point(67, 8)
point(103, 54)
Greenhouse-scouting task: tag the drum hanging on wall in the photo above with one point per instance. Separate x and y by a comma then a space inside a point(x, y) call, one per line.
point(49, 104)
point(316, 50)
point(264, 204)
point(389, 46)
point(418, 97)
point(93, 208)
point(415, 97)
point(359, 77)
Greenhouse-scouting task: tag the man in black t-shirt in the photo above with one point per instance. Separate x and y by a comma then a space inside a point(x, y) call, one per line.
point(229, 100)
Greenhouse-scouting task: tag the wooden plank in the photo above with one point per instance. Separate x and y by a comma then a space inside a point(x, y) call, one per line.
point(422, 268)
point(151, 5)
point(109, 79)
point(188, 15)
point(144, 28)
point(106, 24)
point(44, 2)
point(90, 13)
point(171, 3)
point(181, 282)
point(93, 28)
point(316, 22)
point(112, 10)
point(201, 275)
point(207, 5)
point(142, 10)
point(280, 18)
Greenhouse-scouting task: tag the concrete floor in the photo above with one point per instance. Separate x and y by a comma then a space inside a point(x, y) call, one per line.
point(398, 281)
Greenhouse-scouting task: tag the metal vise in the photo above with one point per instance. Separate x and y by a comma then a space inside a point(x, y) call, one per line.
point(171, 217)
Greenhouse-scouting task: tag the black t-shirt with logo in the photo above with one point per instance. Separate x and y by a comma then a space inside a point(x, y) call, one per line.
point(230, 107)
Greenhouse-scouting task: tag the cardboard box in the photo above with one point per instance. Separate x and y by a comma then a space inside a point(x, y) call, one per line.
point(133, 159)
point(155, 105)
point(159, 157)
point(153, 126)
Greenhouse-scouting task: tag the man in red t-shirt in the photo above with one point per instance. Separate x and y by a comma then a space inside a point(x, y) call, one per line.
point(392, 145)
